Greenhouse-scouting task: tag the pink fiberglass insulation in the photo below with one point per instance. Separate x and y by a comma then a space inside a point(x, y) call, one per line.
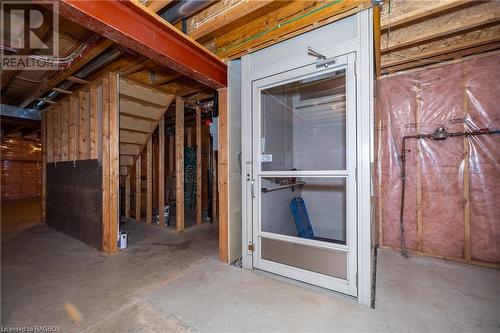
point(454, 96)
point(398, 101)
point(441, 97)
point(483, 89)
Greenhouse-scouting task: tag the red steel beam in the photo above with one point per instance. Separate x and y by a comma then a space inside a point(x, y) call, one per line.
point(134, 26)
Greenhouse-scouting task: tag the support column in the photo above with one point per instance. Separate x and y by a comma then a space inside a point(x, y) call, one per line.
point(149, 181)
point(179, 163)
point(223, 176)
point(198, 166)
point(161, 173)
point(44, 167)
point(138, 189)
point(127, 197)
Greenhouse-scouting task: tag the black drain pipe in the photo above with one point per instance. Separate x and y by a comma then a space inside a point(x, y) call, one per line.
point(439, 134)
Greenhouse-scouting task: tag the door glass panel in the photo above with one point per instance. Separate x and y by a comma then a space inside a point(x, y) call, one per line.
point(324, 261)
point(303, 124)
point(305, 207)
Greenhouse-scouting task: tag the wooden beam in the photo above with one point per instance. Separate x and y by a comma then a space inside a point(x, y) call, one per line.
point(179, 164)
point(442, 47)
point(101, 45)
point(429, 9)
point(438, 57)
point(198, 166)
point(149, 181)
point(127, 197)
point(139, 29)
point(203, 24)
point(77, 80)
point(157, 5)
point(48, 101)
point(62, 91)
point(443, 31)
point(138, 189)
point(84, 125)
point(292, 19)
point(223, 175)
point(161, 172)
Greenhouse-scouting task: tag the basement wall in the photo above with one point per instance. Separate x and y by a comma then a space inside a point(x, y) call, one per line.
point(452, 200)
point(21, 168)
point(80, 168)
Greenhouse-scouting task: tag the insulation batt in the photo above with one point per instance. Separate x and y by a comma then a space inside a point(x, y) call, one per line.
point(460, 96)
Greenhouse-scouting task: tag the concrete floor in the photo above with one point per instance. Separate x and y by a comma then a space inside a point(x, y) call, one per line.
point(164, 282)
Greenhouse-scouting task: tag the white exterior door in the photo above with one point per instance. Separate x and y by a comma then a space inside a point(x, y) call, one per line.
point(303, 195)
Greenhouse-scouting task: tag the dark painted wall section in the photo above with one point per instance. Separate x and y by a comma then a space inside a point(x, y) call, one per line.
point(74, 200)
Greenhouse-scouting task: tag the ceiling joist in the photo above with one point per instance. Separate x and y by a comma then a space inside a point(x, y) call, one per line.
point(138, 28)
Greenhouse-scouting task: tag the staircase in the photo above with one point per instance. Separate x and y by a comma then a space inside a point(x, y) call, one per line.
point(141, 109)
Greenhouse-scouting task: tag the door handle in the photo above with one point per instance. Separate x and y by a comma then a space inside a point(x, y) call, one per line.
point(252, 184)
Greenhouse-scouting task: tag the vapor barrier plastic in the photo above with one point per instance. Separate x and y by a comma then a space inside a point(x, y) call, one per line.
point(459, 97)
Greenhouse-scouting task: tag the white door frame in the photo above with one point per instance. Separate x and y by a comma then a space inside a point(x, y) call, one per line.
point(362, 45)
point(310, 70)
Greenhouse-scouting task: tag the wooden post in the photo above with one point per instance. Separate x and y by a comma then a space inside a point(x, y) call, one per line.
point(214, 185)
point(49, 135)
point(138, 189)
point(161, 173)
point(149, 181)
point(466, 180)
point(171, 154)
point(127, 196)
point(56, 132)
point(44, 167)
point(65, 129)
point(114, 148)
point(198, 166)
point(179, 164)
point(93, 122)
point(84, 122)
point(223, 176)
point(376, 39)
point(106, 200)
point(419, 172)
point(73, 135)
point(110, 163)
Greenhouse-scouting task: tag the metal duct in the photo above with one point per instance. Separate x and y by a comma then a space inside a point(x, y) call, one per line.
point(183, 9)
point(99, 62)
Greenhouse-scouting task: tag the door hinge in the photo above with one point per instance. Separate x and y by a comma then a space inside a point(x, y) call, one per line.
point(251, 247)
point(357, 278)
